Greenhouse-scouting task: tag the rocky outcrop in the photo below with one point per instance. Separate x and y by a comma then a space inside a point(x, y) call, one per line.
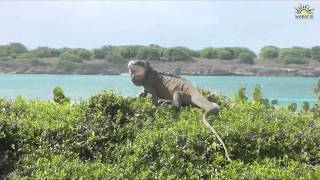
point(197, 68)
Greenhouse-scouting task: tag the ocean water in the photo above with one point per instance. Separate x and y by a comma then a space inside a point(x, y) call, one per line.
point(35, 86)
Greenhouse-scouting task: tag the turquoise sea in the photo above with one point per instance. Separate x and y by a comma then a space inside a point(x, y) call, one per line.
point(35, 86)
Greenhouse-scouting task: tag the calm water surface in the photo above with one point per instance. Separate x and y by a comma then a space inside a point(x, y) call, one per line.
point(285, 89)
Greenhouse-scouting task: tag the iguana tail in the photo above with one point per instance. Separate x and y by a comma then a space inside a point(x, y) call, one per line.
point(204, 119)
point(210, 109)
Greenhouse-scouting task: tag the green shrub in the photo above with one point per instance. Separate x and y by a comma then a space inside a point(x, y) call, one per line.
point(63, 50)
point(75, 55)
point(37, 62)
point(45, 52)
point(130, 52)
point(16, 48)
point(115, 57)
point(70, 56)
point(4, 51)
point(246, 58)
point(98, 54)
point(305, 52)
point(317, 89)
point(59, 97)
point(210, 53)
point(315, 53)
point(241, 95)
point(224, 54)
point(148, 53)
point(190, 52)
point(110, 136)
point(306, 106)
point(293, 55)
point(111, 54)
point(83, 53)
point(177, 54)
point(293, 107)
point(269, 52)
point(236, 51)
point(27, 55)
point(67, 65)
point(7, 58)
point(13, 55)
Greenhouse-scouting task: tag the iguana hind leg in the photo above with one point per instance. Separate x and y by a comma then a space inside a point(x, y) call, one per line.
point(179, 98)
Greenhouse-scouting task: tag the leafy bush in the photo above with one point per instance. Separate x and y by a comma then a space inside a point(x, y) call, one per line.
point(113, 137)
point(177, 54)
point(269, 52)
point(115, 57)
point(111, 54)
point(76, 55)
point(224, 54)
point(148, 53)
point(129, 52)
point(67, 65)
point(4, 51)
point(63, 50)
point(305, 52)
point(70, 56)
point(315, 53)
point(241, 95)
point(190, 52)
point(317, 89)
point(83, 53)
point(293, 55)
point(37, 62)
point(98, 54)
point(59, 97)
point(44, 52)
point(16, 48)
point(210, 53)
point(12, 49)
point(13, 55)
point(246, 58)
point(236, 51)
point(27, 55)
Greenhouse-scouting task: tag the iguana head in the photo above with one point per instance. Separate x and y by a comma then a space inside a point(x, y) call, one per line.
point(138, 71)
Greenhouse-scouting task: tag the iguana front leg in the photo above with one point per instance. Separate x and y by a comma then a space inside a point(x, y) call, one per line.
point(144, 93)
point(154, 95)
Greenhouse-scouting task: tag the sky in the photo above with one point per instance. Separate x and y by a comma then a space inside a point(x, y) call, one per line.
point(194, 24)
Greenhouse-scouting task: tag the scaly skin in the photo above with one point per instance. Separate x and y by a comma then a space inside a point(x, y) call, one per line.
point(173, 90)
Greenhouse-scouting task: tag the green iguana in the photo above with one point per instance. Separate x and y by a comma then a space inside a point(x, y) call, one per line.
point(171, 89)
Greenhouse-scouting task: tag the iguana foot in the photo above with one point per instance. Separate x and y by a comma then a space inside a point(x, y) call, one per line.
point(164, 101)
point(142, 94)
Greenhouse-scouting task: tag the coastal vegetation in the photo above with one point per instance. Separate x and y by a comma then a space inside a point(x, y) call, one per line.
point(110, 136)
point(121, 54)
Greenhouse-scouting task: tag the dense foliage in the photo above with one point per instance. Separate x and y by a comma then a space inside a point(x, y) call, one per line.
point(246, 58)
point(148, 53)
point(59, 97)
point(113, 137)
point(227, 53)
point(153, 52)
point(315, 53)
point(269, 52)
point(297, 55)
point(178, 54)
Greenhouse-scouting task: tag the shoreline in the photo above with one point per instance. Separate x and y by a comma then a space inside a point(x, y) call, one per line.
point(121, 74)
point(198, 67)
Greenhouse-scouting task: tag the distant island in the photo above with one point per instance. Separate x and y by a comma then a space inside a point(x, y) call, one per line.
point(222, 61)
